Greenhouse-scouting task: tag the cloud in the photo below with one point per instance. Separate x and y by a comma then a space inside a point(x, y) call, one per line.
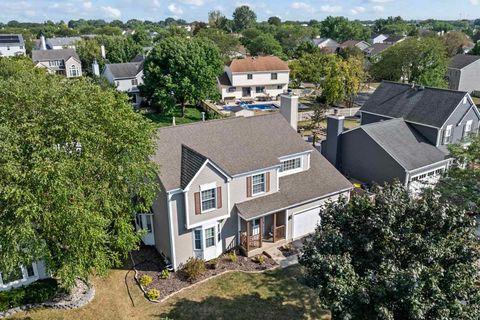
point(474, 2)
point(197, 3)
point(378, 8)
point(87, 4)
point(380, 1)
point(112, 12)
point(300, 5)
point(358, 10)
point(330, 9)
point(174, 9)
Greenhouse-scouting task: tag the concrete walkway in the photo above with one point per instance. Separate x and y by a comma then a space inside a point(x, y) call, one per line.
point(279, 257)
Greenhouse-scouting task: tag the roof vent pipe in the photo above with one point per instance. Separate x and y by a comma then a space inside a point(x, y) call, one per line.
point(413, 85)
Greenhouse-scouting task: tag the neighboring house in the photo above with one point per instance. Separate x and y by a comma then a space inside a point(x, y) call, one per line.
point(464, 73)
point(247, 182)
point(376, 49)
point(62, 61)
point(404, 134)
point(23, 276)
point(11, 45)
point(126, 77)
point(326, 44)
point(394, 39)
point(254, 78)
point(378, 38)
point(56, 43)
point(362, 45)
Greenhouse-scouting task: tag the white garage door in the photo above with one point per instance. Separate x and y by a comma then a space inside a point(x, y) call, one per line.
point(305, 222)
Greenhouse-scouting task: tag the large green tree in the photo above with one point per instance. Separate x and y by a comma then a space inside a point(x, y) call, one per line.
point(264, 44)
point(243, 18)
point(180, 70)
point(394, 258)
point(420, 60)
point(461, 184)
point(226, 42)
point(341, 29)
point(73, 157)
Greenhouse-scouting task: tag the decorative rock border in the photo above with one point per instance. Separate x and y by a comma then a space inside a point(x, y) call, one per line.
point(63, 304)
point(193, 284)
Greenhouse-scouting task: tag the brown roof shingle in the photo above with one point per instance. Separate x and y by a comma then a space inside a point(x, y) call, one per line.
point(258, 64)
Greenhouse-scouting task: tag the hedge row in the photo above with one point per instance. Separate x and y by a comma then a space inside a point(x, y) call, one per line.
point(37, 292)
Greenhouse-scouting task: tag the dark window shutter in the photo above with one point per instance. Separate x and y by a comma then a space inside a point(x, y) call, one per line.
point(267, 182)
point(219, 197)
point(197, 203)
point(249, 187)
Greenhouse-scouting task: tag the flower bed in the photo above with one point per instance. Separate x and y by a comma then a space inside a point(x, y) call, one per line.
point(169, 283)
point(37, 292)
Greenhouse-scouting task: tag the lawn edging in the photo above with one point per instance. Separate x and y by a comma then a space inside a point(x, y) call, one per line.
point(193, 284)
point(62, 304)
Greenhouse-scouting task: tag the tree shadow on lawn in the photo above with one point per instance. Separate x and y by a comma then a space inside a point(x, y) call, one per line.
point(283, 297)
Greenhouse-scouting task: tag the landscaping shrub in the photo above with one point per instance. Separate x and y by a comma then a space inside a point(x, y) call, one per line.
point(37, 292)
point(261, 259)
point(145, 280)
point(194, 268)
point(232, 256)
point(212, 264)
point(153, 294)
point(165, 274)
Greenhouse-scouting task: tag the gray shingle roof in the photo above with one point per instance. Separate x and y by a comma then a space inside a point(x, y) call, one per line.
point(124, 70)
point(192, 161)
point(460, 61)
point(62, 41)
point(377, 48)
point(407, 146)
point(224, 80)
point(425, 105)
point(60, 54)
point(236, 145)
point(319, 181)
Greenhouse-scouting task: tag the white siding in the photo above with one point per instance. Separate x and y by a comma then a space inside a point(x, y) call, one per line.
point(11, 51)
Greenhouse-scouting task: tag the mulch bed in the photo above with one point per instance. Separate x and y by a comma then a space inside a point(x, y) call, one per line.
point(152, 265)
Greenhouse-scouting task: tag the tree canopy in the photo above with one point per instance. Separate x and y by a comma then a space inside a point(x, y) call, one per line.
point(394, 258)
point(180, 70)
point(341, 29)
point(243, 18)
point(420, 60)
point(226, 42)
point(73, 157)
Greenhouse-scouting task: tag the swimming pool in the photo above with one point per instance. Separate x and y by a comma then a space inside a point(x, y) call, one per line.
point(263, 107)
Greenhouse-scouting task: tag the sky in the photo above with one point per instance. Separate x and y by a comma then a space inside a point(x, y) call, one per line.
point(190, 10)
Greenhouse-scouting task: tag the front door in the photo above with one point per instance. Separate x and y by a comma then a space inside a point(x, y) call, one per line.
point(246, 92)
point(255, 227)
point(144, 221)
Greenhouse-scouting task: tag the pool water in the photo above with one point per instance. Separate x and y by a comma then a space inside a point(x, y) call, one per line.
point(263, 107)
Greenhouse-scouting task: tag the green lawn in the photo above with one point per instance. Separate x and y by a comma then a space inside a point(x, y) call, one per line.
point(192, 114)
point(277, 294)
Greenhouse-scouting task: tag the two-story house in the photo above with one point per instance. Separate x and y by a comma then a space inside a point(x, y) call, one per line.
point(326, 45)
point(404, 133)
point(248, 182)
point(56, 43)
point(463, 73)
point(254, 78)
point(126, 77)
point(62, 61)
point(12, 45)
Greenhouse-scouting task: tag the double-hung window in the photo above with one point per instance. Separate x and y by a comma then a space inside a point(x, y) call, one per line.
point(274, 76)
point(291, 164)
point(447, 136)
point(259, 89)
point(134, 82)
point(209, 199)
point(249, 76)
point(209, 237)
point(258, 183)
point(197, 233)
point(468, 128)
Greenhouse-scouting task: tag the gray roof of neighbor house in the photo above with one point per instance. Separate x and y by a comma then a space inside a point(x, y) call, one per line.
point(424, 105)
point(11, 40)
point(394, 38)
point(320, 180)
point(59, 54)
point(407, 146)
point(192, 161)
point(237, 145)
point(61, 41)
point(224, 80)
point(460, 61)
point(377, 48)
point(124, 70)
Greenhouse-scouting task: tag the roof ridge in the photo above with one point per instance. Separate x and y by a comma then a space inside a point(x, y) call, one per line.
point(426, 87)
